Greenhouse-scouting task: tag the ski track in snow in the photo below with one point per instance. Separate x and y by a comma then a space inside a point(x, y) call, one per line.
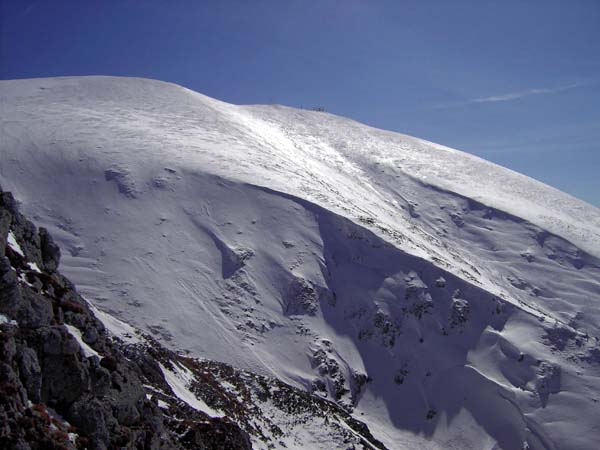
point(288, 242)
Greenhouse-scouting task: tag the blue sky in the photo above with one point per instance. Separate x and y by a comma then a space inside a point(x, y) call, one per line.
point(515, 82)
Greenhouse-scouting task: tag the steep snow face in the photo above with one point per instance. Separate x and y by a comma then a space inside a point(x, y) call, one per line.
point(449, 302)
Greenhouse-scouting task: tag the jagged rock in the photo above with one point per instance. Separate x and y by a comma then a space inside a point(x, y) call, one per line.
point(64, 379)
point(130, 395)
point(24, 231)
point(559, 337)
point(217, 434)
point(548, 381)
point(30, 373)
point(50, 251)
point(5, 219)
point(9, 289)
point(100, 380)
point(460, 311)
point(8, 203)
point(90, 336)
point(418, 300)
point(301, 298)
point(88, 415)
point(388, 328)
point(358, 382)
point(35, 311)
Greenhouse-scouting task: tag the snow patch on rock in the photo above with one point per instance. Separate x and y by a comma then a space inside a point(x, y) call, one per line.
point(179, 379)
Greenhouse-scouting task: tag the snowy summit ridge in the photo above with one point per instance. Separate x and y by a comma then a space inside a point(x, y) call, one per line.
point(447, 302)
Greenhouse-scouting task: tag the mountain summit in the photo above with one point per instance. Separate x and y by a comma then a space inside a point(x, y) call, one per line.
point(446, 302)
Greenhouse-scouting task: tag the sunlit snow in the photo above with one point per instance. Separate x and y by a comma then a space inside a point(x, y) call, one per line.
point(290, 242)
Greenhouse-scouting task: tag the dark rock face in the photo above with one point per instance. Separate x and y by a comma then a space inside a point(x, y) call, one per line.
point(221, 434)
point(53, 396)
point(50, 251)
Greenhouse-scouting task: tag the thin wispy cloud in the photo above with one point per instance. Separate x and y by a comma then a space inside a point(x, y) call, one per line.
point(517, 95)
point(510, 96)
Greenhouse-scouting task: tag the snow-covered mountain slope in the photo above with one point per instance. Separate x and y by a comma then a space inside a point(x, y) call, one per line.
point(449, 302)
point(74, 377)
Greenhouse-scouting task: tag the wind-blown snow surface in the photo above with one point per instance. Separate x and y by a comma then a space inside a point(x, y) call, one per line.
point(322, 251)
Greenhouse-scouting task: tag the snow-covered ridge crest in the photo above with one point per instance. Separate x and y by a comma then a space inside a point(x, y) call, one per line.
point(303, 141)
